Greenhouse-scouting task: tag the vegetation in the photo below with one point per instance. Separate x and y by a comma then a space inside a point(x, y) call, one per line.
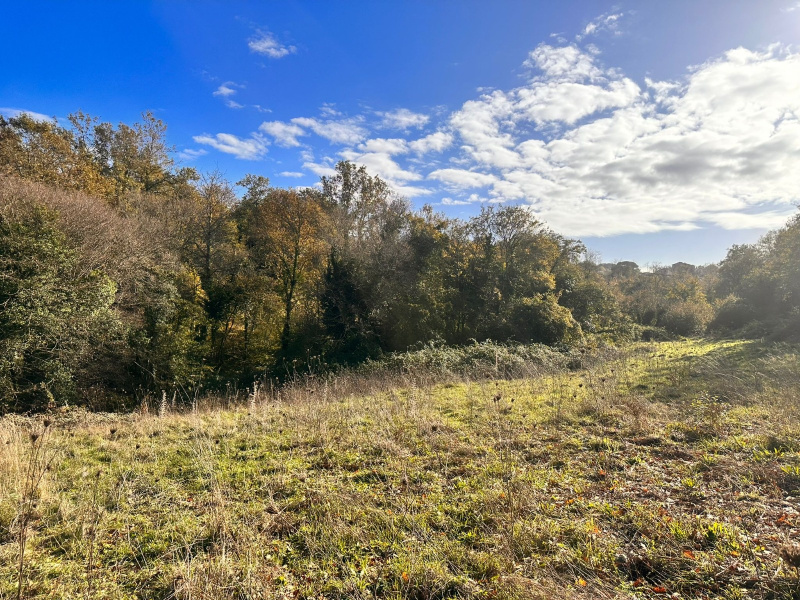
point(122, 275)
point(660, 470)
point(320, 392)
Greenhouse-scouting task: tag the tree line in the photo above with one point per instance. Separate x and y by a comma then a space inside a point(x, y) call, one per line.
point(122, 273)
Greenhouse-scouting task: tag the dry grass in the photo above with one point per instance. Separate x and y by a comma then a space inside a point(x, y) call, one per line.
point(665, 470)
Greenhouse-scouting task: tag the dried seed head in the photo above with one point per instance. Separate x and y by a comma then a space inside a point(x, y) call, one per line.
point(47, 423)
point(113, 430)
point(34, 437)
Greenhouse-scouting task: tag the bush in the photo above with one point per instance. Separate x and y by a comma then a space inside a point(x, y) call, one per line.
point(541, 319)
point(478, 360)
point(56, 317)
point(732, 313)
point(687, 318)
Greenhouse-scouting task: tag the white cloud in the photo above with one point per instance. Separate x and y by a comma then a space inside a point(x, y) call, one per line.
point(591, 151)
point(608, 22)
point(381, 164)
point(285, 134)
point(191, 154)
point(291, 174)
point(459, 178)
point(251, 148)
point(319, 169)
point(767, 220)
point(329, 110)
point(385, 146)
point(479, 125)
point(343, 131)
point(435, 142)
point(404, 119)
point(792, 7)
point(15, 112)
point(594, 155)
point(376, 156)
point(266, 44)
point(451, 202)
point(568, 102)
point(226, 89)
point(565, 63)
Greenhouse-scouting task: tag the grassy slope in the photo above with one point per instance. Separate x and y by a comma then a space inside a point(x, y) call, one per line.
point(667, 470)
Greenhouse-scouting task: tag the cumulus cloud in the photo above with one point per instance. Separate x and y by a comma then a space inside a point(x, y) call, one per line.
point(435, 142)
point(285, 134)
point(291, 174)
point(384, 146)
point(341, 131)
point(404, 119)
point(267, 44)
point(376, 156)
point(594, 154)
point(563, 63)
point(319, 169)
point(251, 148)
point(590, 150)
point(459, 178)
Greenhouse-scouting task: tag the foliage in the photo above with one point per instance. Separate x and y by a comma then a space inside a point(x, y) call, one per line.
point(55, 319)
point(164, 278)
point(759, 283)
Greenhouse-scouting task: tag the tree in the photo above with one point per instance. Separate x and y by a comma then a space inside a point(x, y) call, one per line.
point(346, 316)
point(285, 233)
point(54, 319)
point(137, 157)
point(45, 152)
point(356, 198)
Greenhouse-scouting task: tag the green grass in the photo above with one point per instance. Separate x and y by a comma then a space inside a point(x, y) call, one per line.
point(662, 470)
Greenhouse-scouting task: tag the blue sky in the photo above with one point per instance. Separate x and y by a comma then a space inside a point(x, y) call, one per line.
point(653, 131)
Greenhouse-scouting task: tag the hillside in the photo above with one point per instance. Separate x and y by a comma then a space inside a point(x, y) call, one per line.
point(661, 470)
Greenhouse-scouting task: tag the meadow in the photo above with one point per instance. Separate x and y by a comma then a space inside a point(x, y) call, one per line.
point(655, 470)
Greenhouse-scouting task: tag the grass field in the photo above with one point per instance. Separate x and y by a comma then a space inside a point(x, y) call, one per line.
point(655, 471)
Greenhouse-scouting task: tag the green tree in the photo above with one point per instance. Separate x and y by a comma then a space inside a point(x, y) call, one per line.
point(55, 319)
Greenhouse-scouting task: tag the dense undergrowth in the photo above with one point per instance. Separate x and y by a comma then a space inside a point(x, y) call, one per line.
point(659, 470)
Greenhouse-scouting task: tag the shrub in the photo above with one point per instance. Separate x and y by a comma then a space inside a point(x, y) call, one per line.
point(732, 313)
point(688, 317)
